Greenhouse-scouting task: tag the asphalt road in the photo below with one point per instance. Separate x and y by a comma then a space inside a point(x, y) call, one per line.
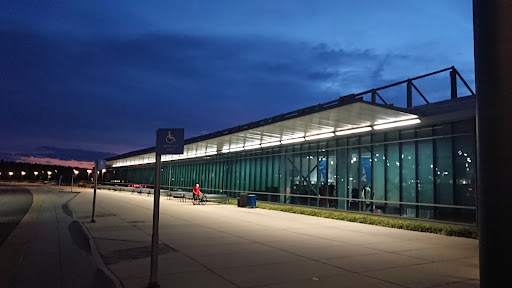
point(14, 204)
point(47, 248)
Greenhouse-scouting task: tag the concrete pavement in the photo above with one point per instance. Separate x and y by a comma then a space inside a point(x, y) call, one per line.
point(48, 248)
point(217, 245)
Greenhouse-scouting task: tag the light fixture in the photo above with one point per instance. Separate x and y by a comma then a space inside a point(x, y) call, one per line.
point(236, 149)
point(288, 141)
point(23, 173)
point(320, 136)
point(396, 124)
point(396, 119)
point(252, 147)
point(352, 131)
point(270, 144)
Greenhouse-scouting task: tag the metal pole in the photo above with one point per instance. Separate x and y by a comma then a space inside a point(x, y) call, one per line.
point(453, 84)
point(153, 279)
point(409, 93)
point(72, 176)
point(170, 178)
point(493, 68)
point(95, 185)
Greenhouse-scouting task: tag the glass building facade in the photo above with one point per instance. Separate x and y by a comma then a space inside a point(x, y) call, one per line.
point(425, 172)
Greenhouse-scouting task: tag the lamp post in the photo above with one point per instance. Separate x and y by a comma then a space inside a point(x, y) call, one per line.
point(75, 172)
point(10, 175)
point(89, 171)
point(49, 175)
point(102, 172)
point(22, 174)
point(35, 175)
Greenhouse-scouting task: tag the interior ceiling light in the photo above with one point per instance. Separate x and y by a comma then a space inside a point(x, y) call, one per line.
point(288, 141)
point(270, 144)
point(314, 133)
point(252, 147)
point(396, 124)
point(320, 136)
point(396, 119)
point(352, 131)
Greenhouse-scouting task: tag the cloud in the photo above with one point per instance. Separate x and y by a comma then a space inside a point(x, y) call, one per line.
point(52, 161)
point(58, 156)
point(118, 91)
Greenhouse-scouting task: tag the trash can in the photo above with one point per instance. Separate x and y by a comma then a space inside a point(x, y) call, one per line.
point(242, 201)
point(251, 200)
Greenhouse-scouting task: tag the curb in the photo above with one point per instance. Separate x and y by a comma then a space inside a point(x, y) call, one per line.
point(95, 254)
point(96, 257)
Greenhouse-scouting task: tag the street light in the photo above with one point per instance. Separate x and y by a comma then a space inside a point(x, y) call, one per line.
point(35, 175)
point(103, 171)
point(89, 171)
point(10, 175)
point(22, 174)
point(49, 173)
point(73, 176)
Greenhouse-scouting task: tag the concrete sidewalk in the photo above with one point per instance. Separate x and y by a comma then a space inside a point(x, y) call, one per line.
point(217, 245)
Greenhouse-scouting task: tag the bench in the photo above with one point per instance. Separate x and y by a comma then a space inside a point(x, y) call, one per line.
point(175, 194)
point(216, 197)
point(183, 196)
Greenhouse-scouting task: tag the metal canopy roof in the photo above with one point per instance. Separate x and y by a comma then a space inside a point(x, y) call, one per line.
point(354, 115)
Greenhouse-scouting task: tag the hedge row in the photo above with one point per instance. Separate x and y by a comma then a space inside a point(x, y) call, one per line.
point(406, 224)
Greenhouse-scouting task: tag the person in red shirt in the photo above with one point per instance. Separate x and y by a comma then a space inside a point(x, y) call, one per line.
point(197, 193)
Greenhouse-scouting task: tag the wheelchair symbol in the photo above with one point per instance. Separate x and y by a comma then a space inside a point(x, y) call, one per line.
point(170, 139)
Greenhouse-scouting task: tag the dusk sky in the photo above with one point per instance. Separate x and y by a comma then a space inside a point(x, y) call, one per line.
point(104, 75)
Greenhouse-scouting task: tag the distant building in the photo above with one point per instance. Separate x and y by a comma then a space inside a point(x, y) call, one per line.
point(355, 153)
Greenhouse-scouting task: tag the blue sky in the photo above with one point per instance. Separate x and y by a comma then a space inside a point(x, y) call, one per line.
point(104, 75)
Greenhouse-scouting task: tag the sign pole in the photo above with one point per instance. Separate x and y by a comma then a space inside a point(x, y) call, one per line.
point(95, 184)
point(156, 213)
point(168, 141)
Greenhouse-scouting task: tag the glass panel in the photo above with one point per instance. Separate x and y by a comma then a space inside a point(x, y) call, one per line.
point(408, 178)
point(465, 173)
point(257, 173)
point(378, 166)
point(444, 177)
point(353, 178)
point(275, 179)
point(425, 178)
point(331, 179)
point(392, 178)
point(342, 179)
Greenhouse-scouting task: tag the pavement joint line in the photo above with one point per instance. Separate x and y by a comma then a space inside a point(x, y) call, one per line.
point(94, 251)
point(454, 282)
point(122, 240)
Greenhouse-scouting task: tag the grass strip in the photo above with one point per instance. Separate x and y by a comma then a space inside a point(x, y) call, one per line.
point(406, 224)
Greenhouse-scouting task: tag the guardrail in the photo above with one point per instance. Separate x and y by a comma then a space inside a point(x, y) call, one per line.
point(440, 212)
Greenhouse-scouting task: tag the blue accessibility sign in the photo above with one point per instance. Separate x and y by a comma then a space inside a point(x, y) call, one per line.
point(366, 170)
point(170, 141)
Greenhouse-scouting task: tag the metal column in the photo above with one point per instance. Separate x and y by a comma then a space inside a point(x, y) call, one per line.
point(493, 67)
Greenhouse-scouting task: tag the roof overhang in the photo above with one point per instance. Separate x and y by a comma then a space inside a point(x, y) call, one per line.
point(343, 120)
